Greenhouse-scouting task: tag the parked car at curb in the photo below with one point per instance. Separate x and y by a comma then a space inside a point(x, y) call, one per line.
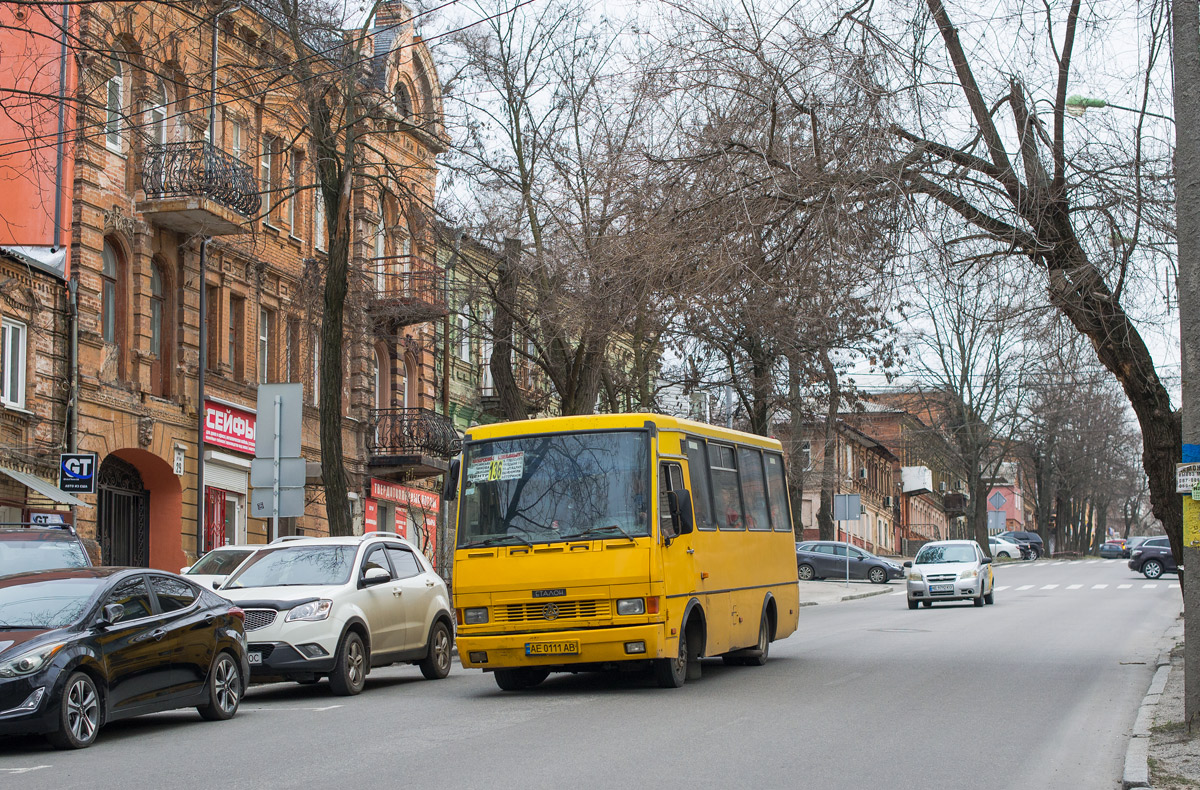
point(339, 607)
point(950, 570)
point(1153, 558)
point(1000, 547)
point(216, 566)
point(25, 549)
point(1111, 550)
point(86, 646)
point(821, 559)
point(1037, 549)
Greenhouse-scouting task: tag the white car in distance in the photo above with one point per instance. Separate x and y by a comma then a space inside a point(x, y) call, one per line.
point(216, 565)
point(338, 607)
point(1004, 548)
point(949, 570)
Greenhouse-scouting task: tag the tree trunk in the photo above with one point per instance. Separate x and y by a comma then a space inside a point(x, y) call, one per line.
point(512, 405)
point(333, 462)
point(825, 524)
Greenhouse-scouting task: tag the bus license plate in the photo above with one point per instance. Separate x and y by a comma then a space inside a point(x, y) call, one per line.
point(941, 588)
point(254, 658)
point(552, 648)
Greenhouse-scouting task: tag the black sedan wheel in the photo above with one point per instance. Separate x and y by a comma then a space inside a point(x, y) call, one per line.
point(78, 714)
point(877, 575)
point(806, 573)
point(224, 690)
point(1034, 553)
point(1152, 569)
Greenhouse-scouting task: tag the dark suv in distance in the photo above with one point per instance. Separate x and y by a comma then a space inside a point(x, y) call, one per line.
point(26, 549)
point(1037, 549)
point(1153, 558)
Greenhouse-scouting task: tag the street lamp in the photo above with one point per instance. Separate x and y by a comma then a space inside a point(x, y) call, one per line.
point(1078, 105)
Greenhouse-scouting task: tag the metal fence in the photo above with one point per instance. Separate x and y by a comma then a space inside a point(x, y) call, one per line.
point(199, 169)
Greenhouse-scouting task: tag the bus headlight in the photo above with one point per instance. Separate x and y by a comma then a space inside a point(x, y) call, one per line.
point(475, 615)
point(631, 606)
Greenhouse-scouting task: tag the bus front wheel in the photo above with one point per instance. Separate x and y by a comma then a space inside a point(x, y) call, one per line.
point(672, 672)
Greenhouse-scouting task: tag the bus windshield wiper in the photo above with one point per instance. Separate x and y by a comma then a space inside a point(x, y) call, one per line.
point(593, 531)
point(496, 540)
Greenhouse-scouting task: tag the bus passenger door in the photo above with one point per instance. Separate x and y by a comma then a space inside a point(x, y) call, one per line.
point(680, 577)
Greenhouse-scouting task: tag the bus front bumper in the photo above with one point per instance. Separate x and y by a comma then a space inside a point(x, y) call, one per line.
point(564, 648)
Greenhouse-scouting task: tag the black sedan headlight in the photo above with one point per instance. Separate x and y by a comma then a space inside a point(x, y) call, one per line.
point(30, 661)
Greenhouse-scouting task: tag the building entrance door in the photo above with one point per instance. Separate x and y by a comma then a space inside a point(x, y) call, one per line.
point(124, 514)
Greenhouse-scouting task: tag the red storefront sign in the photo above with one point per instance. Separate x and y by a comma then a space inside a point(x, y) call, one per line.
point(416, 513)
point(371, 516)
point(228, 426)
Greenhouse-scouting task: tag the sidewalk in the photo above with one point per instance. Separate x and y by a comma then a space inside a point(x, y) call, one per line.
point(1174, 753)
point(833, 591)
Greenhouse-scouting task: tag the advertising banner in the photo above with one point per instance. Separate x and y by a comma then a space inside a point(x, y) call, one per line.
point(229, 427)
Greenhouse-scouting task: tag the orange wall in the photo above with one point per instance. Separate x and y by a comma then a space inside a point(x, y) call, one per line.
point(166, 508)
point(30, 62)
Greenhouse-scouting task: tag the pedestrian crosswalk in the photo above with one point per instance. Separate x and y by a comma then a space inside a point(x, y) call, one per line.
point(1053, 586)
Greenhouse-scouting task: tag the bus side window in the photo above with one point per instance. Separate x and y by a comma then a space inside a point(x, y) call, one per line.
point(754, 488)
point(698, 478)
point(670, 478)
point(777, 489)
point(727, 495)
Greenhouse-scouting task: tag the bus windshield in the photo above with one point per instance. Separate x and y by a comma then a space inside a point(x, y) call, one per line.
point(542, 489)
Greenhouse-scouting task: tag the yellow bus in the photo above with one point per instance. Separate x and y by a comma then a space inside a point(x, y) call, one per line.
point(605, 541)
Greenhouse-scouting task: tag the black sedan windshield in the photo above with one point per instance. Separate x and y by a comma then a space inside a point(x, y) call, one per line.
point(54, 603)
point(290, 566)
point(559, 487)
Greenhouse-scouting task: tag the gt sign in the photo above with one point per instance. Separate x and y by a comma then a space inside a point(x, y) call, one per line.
point(77, 473)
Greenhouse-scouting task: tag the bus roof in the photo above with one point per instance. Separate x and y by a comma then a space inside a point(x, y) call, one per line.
point(603, 422)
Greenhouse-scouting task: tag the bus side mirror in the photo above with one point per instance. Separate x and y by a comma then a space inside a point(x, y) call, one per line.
point(450, 484)
point(680, 504)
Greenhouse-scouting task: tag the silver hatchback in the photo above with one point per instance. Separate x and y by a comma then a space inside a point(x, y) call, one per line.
point(949, 570)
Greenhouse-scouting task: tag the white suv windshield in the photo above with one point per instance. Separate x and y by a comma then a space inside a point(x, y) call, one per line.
point(933, 554)
point(292, 566)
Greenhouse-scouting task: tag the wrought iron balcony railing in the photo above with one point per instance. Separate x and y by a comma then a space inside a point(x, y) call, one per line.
point(199, 169)
point(401, 292)
point(411, 432)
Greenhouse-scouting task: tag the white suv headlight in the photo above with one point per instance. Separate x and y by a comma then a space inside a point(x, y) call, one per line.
point(30, 662)
point(313, 610)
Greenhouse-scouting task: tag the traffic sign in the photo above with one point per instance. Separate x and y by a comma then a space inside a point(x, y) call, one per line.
point(77, 473)
point(291, 502)
point(292, 472)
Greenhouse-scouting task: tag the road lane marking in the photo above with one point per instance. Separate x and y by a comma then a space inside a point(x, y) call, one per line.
point(1172, 586)
point(1050, 587)
point(1074, 586)
point(1124, 586)
point(1001, 588)
point(1091, 562)
point(22, 770)
point(1149, 586)
point(271, 708)
point(1109, 562)
point(1025, 587)
point(1099, 586)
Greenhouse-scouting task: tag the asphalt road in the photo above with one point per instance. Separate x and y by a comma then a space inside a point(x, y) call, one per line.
point(1038, 691)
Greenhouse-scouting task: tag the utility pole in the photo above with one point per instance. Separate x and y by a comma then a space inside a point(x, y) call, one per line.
point(1185, 22)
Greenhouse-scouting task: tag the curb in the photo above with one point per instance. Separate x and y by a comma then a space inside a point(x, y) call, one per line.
point(852, 597)
point(1137, 754)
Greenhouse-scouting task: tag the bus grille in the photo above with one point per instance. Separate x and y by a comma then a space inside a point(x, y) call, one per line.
point(552, 611)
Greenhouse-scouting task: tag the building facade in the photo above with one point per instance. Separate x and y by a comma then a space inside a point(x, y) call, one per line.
point(155, 175)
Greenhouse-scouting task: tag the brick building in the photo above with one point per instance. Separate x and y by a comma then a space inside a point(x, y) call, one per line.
point(151, 182)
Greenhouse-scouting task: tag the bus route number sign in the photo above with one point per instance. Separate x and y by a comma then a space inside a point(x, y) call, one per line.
point(489, 469)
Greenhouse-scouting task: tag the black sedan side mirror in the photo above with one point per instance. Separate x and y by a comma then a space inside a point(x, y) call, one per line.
point(110, 614)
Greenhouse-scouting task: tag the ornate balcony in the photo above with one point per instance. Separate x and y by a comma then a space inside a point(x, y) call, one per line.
point(196, 188)
point(414, 442)
point(403, 291)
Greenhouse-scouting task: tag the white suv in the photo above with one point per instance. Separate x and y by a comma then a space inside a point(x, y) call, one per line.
point(337, 607)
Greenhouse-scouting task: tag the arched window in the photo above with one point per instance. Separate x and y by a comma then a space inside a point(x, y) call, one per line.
point(114, 90)
point(402, 394)
point(380, 259)
point(156, 311)
point(403, 101)
point(108, 293)
point(162, 328)
point(156, 113)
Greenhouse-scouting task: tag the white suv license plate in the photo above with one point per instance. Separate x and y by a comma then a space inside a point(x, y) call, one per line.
point(933, 588)
point(254, 658)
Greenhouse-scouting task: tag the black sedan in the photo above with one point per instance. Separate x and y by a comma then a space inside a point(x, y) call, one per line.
point(820, 559)
point(81, 647)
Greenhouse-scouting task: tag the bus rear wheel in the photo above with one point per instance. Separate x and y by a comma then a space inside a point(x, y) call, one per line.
point(520, 679)
point(672, 672)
